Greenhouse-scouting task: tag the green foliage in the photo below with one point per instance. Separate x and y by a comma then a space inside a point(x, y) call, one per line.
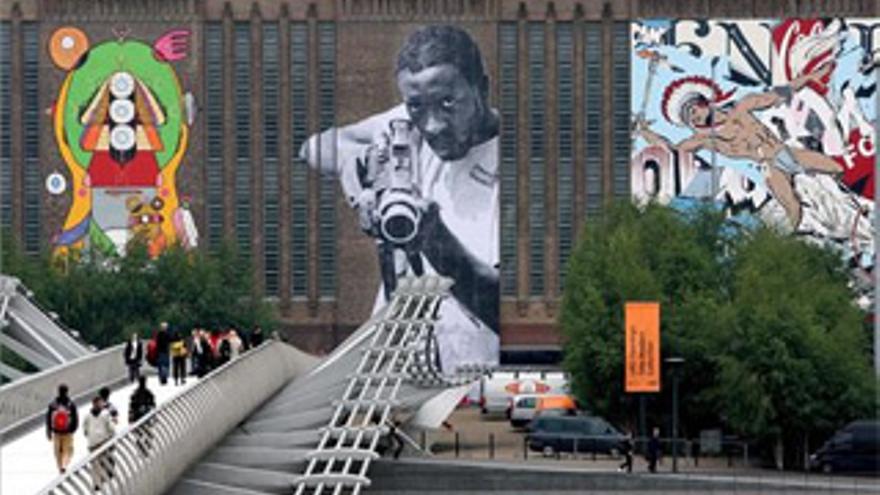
point(107, 299)
point(774, 345)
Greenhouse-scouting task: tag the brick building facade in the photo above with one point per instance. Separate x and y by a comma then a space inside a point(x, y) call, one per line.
point(266, 74)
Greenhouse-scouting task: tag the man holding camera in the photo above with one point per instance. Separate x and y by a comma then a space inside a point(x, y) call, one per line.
point(423, 178)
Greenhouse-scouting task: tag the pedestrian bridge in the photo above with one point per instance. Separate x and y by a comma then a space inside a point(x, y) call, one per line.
point(275, 420)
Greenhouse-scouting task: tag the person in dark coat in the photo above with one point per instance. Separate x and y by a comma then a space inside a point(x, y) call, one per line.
point(141, 403)
point(163, 352)
point(62, 422)
point(134, 357)
point(206, 362)
point(653, 454)
point(626, 448)
point(257, 337)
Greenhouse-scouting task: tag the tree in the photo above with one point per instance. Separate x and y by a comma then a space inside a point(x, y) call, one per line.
point(107, 298)
point(765, 322)
point(792, 367)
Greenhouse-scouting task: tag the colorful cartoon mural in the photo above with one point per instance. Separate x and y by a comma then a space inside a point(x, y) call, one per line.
point(122, 124)
point(771, 119)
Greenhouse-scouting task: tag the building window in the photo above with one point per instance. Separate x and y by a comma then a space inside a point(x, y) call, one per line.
point(565, 142)
point(621, 136)
point(537, 113)
point(31, 131)
point(593, 112)
point(508, 156)
point(271, 193)
point(242, 111)
point(327, 193)
point(299, 98)
point(214, 132)
point(5, 128)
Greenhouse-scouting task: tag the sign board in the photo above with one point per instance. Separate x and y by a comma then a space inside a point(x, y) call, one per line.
point(642, 322)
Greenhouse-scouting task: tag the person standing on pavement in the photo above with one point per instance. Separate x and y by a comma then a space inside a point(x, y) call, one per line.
point(134, 355)
point(163, 350)
point(653, 450)
point(61, 423)
point(98, 429)
point(626, 448)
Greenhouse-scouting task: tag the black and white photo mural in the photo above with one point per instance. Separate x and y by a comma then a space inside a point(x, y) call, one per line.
point(421, 176)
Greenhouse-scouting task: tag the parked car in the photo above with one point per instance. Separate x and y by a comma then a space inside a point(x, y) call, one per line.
point(855, 448)
point(550, 434)
point(524, 407)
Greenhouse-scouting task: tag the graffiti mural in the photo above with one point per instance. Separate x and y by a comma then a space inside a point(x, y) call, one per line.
point(770, 119)
point(121, 122)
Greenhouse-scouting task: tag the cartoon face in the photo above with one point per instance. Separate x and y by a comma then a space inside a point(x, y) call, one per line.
point(698, 114)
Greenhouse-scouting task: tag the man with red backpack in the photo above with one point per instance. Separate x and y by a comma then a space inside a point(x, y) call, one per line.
point(61, 423)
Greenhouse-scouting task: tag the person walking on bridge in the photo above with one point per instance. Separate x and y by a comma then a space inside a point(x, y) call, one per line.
point(98, 428)
point(142, 402)
point(61, 423)
point(163, 351)
point(134, 356)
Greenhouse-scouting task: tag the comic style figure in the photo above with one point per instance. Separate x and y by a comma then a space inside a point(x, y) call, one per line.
point(122, 122)
point(790, 136)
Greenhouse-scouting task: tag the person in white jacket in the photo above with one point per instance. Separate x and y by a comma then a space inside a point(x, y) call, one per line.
point(99, 429)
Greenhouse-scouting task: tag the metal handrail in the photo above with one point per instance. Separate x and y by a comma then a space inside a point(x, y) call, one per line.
point(154, 452)
point(23, 400)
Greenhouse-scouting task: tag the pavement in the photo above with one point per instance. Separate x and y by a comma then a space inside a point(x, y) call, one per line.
point(27, 463)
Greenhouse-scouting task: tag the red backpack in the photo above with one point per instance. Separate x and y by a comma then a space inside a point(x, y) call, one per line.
point(152, 352)
point(61, 418)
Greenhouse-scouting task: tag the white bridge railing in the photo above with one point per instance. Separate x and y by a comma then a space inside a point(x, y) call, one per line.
point(150, 455)
point(25, 400)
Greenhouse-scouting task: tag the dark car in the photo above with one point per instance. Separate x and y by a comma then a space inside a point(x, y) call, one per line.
point(855, 448)
point(551, 434)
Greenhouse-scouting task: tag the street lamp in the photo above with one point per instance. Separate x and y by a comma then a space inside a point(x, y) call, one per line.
point(674, 364)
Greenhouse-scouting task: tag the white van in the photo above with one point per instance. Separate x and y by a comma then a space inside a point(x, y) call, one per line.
point(499, 387)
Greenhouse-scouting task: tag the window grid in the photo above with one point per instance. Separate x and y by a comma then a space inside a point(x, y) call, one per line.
point(31, 127)
point(271, 198)
point(214, 132)
point(565, 143)
point(5, 127)
point(242, 106)
point(508, 99)
point(327, 193)
point(537, 103)
point(593, 112)
point(299, 97)
point(621, 136)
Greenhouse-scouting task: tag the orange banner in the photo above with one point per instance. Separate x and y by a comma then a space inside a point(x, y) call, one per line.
point(642, 347)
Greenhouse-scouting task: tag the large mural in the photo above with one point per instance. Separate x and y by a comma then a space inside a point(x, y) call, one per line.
point(772, 120)
point(421, 177)
point(122, 122)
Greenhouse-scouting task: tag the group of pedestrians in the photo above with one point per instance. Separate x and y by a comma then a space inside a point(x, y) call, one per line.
point(203, 350)
point(98, 426)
